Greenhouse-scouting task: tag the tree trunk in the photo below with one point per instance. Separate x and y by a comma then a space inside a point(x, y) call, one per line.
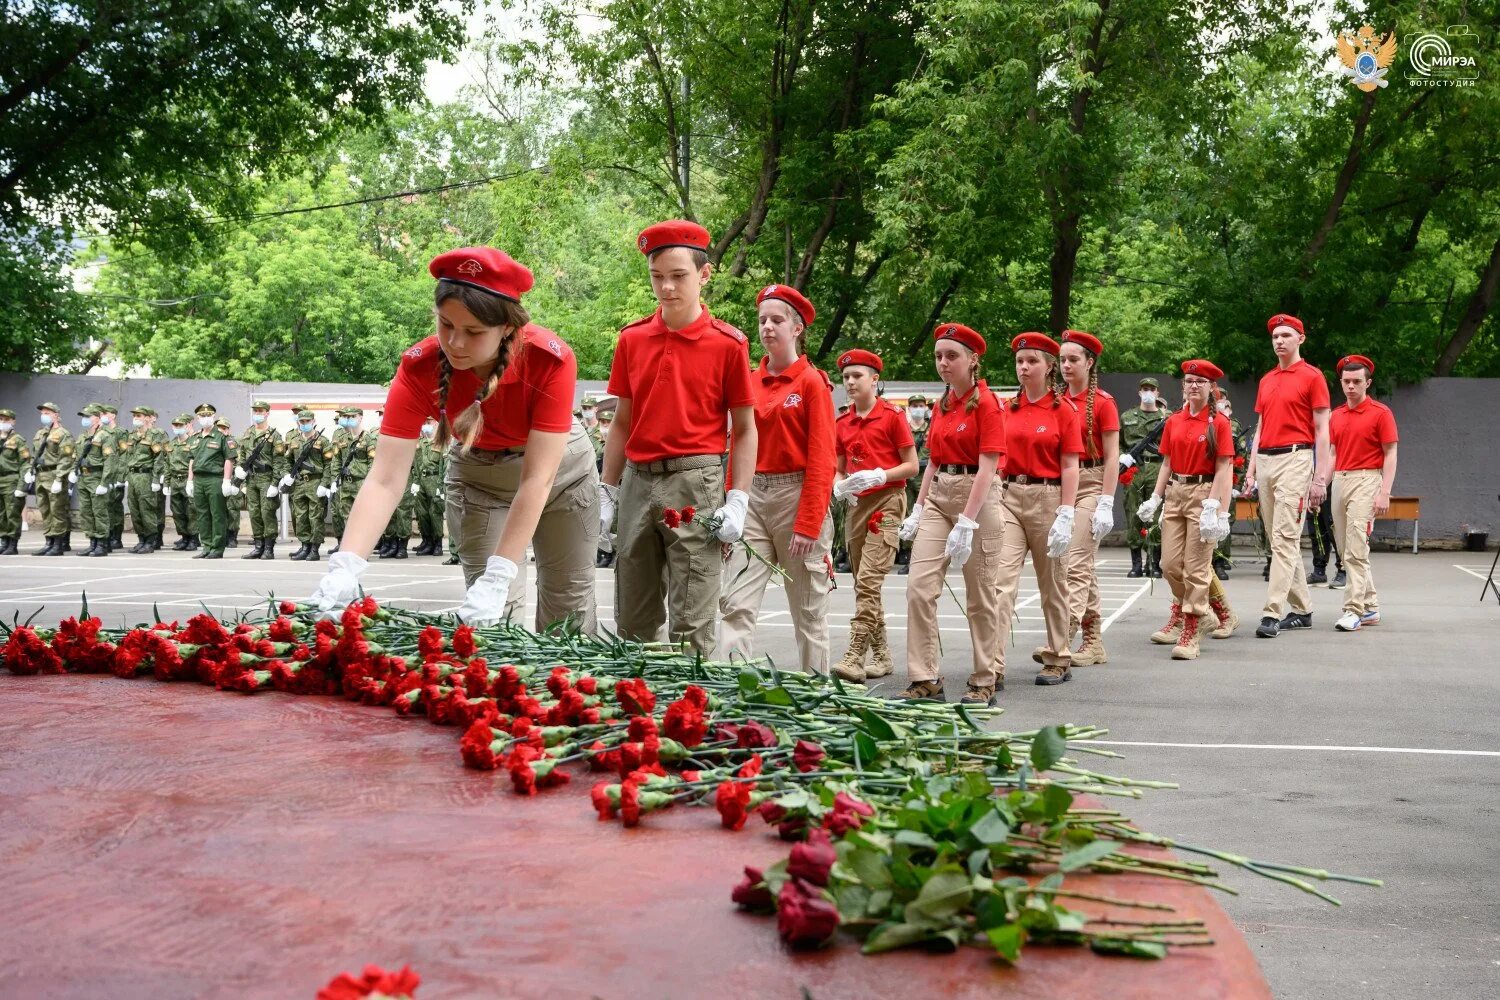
point(1409, 241)
point(1341, 187)
point(933, 317)
point(1474, 316)
point(846, 120)
point(846, 302)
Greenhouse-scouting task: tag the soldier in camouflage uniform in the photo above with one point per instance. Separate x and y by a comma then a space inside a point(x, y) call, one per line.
point(1136, 424)
point(96, 459)
point(397, 534)
point(605, 557)
point(52, 458)
point(114, 475)
point(143, 454)
point(15, 462)
point(348, 463)
point(261, 466)
point(919, 419)
point(214, 454)
point(427, 476)
point(336, 441)
point(234, 502)
point(175, 483)
point(306, 450)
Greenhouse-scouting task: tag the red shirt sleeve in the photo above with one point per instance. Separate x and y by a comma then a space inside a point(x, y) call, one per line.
point(1223, 437)
point(1318, 395)
point(738, 390)
point(619, 369)
point(552, 382)
point(817, 481)
point(1388, 427)
point(991, 423)
point(1164, 443)
point(1071, 439)
point(1260, 394)
point(412, 397)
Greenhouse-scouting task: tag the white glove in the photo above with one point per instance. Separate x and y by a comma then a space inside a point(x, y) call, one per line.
point(416, 490)
point(73, 477)
point(166, 491)
point(324, 492)
point(188, 489)
point(609, 499)
point(239, 472)
point(100, 490)
point(286, 482)
point(484, 604)
point(155, 487)
point(30, 477)
point(1060, 535)
point(732, 515)
point(1126, 461)
point(340, 585)
point(857, 482)
point(908, 529)
point(441, 495)
point(1146, 512)
point(228, 488)
point(271, 490)
point(56, 486)
point(19, 493)
point(1104, 518)
point(1208, 521)
point(1221, 528)
point(960, 544)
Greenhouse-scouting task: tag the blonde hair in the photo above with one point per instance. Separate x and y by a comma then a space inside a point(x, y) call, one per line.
point(973, 377)
point(491, 310)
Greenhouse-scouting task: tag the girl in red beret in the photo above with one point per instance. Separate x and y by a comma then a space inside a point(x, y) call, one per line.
point(787, 521)
point(1042, 445)
point(875, 455)
point(956, 520)
point(1197, 455)
point(520, 468)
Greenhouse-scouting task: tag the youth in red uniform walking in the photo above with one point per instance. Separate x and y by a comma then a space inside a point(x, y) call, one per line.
point(1362, 434)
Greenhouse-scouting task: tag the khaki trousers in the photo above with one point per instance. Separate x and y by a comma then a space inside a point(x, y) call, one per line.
point(1283, 482)
point(1353, 510)
point(1186, 560)
point(946, 499)
point(481, 486)
point(768, 530)
point(1029, 511)
point(870, 556)
point(679, 566)
point(1083, 578)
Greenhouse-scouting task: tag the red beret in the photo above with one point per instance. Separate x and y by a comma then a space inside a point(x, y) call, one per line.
point(485, 268)
point(1087, 341)
point(1203, 369)
point(676, 233)
point(1035, 342)
point(792, 297)
point(963, 334)
point(1357, 359)
point(860, 357)
point(1284, 319)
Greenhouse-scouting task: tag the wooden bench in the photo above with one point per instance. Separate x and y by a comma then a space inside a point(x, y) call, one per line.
point(1402, 509)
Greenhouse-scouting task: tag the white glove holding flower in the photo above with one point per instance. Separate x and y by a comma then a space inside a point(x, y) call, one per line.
point(484, 603)
point(960, 543)
point(857, 482)
point(731, 516)
point(908, 529)
point(340, 585)
point(1146, 512)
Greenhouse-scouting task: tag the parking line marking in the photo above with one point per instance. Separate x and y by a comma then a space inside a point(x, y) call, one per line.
point(1295, 746)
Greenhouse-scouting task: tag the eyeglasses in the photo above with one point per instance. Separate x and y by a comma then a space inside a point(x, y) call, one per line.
point(1194, 382)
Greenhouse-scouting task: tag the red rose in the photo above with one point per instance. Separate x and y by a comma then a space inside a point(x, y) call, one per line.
point(848, 814)
point(813, 858)
point(754, 734)
point(752, 893)
point(806, 756)
point(804, 918)
point(671, 518)
point(771, 812)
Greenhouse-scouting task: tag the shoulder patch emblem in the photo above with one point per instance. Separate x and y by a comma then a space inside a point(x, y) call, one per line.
point(554, 347)
point(415, 352)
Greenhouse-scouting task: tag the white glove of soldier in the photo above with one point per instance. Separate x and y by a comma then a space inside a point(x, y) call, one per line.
point(1221, 528)
point(73, 477)
point(286, 482)
point(484, 604)
point(960, 544)
point(166, 491)
point(609, 499)
point(324, 492)
point(30, 477)
point(441, 495)
point(155, 486)
point(908, 529)
point(18, 493)
point(239, 472)
point(1126, 461)
point(188, 489)
point(1146, 512)
point(1060, 535)
point(340, 585)
point(1104, 518)
point(271, 490)
point(857, 482)
point(1208, 521)
point(228, 488)
point(56, 486)
point(416, 490)
point(731, 516)
point(100, 490)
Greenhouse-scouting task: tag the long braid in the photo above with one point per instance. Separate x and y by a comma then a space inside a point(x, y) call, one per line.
point(1210, 437)
point(445, 373)
point(1090, 450)
point(973, 377)
point(1055, 382)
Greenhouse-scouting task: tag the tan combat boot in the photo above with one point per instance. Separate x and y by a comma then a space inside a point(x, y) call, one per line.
point(880, 655)
point(1168, 633)
point(852, 666)
point(1187, 642)
point(1228, 620)
point(1092, 650)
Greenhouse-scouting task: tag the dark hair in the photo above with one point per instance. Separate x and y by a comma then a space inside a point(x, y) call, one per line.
point(700, 257)
point(1351, 366)
point(491, 310)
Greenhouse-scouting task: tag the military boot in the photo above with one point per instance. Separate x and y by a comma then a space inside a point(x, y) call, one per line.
point(1228, 620)
point(269, 550)
point(398, 548)
point(49, 549)
point(1135, 564)
point(881, 663)
point(1187, 642)
point(1168, 633)
point(852, 666)
point(1092, 650)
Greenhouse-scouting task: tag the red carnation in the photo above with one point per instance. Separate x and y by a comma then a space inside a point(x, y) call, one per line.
point(1239, 461)
point(1127, 476)
point(806, 756)
point(430, 641)
point(477, 747)
point(687, 514)
point(813, 858)
point(1145, 532)
point(287, 608)
point(804, 918)
point(753, 893)
point(732, 799)
point(671, 518)
point(26, 653)
point(755, 734)
point(374, 981)
point(463, 641)
point(635, 697)
point(630, 802)
point(873, 524)
point(602, 802)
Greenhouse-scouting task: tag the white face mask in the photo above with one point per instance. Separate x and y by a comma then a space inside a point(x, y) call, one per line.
point(86, 423)
point(137, 423)
point(917, 412)
point(47, 419)
point(205, 421)
point(307, 428)
point(1147, 397)
point(6, 426)
point(428, 430)
point(108, 420)
point(1224, 407)
point(259, 418)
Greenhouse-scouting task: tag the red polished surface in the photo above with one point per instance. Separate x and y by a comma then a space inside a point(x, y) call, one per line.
point(167, 840)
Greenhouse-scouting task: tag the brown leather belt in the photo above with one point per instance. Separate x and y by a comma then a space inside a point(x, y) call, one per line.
point(959, 470)
point(1190, 480)
point(1032, 481)
point(682, 464)
point(1286, 449)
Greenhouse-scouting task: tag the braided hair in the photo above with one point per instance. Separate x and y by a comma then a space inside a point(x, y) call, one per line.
point(1210, 439)
point(493, 311)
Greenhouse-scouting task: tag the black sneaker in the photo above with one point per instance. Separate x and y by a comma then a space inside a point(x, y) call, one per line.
point(1340, 580)
point(1297, 620)
point(1268, 628)
point(1316, 577)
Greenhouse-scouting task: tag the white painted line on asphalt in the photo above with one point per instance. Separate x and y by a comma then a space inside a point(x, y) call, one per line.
point(1124, 607)
point(1294, 746)
point(1474, 573)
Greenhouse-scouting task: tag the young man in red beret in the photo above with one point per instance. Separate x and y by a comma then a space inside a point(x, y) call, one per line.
point(1293, 405)
point(681, 377)
point(1363, 437)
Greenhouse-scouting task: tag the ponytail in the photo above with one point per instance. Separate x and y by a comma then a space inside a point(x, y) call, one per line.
point(1090, 450)
point(978, 385)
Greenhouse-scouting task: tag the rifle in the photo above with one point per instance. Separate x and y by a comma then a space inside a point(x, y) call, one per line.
point(36, 464)
point(349, 455)
point(1138, 453)
point(249, 463)
point(301, 459)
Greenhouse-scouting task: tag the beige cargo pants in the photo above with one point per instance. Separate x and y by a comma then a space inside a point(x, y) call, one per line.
point(1083, 578)
point(1030, 509)
point(1353, 510)
point(871, 555)
point(1283, 482)
point(1186, 560)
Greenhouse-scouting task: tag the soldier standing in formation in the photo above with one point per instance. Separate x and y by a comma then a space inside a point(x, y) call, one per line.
point(143, 453)
point(212, 475)
point(114, 475)
point(397, 534)
point(176, 483)
point(306, 451)
point(427, 473)
point(349, 463)
point(52, 459)
point(96, 454)
point(15, 462)
point(258, 472)
point(234, 500)
point(1136, 425)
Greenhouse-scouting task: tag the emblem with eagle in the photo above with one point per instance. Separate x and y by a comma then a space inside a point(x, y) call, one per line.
point(1366, 58)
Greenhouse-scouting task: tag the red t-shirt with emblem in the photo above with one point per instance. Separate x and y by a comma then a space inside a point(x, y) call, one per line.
point(1106, 419)
point(874, 441)
point(681, 385)
point(535, 392)
point(794, 431)
point(1286, 400)
point(1184, 441)
point(1359, 435)
point(958, 435)
point(1038, 435)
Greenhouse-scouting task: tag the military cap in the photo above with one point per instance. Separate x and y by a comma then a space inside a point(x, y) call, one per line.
point(351, 411)
point(1148, 381)
point(915, 397)
point(484, 268)
point(590, 400)
point(260, 404)
point(8, 414)
point(91, 410)
point(1345, 363)
point(49, 406)
point(109, 408)
point(143, 411)
point(183, 418)
point(205, 408)
point(1284, 319)
point(606, 415)
point(303, 413)
point(222, 422)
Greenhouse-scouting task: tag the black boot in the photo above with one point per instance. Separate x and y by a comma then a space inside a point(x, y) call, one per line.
point(180, 544)
point(1156, 564)
point(115, 541)
point(451, 560)
point(400, 552)
point(297, 555)
point(386, 548)
point(203, 554)
point(1135, 564)
point(142, 544)
point(255, 550)
point(312, 553)
point(52, 548)
point(268, 551)
point(156, 541)
point(603, 560)
point(67, 541)
point(233, 540)
point(330, 551)
point(93, 544)
point(194, 543)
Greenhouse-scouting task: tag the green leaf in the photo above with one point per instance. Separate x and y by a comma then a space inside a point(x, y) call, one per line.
point(915, 838)
point(877, 726)
point(944, 895)
point(892, 935)
point(869, 867)
point(1087, 855)
point(1004, 760)
point(1128, 948)
point(1056, 800)
point(749, 681)
point(1048, 747)
point(990, 829)
point(1007, 940)
point(866, 747)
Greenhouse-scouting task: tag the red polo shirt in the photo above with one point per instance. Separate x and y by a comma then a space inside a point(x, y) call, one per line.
point(958, 435)
point(681, 385)
point(1286, 400)
point(1359, 435)
point(1184, 441)
point(794, 428)
point(874, 441)
point(535, 393)
point(1106, 419)
point(1038, 435)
